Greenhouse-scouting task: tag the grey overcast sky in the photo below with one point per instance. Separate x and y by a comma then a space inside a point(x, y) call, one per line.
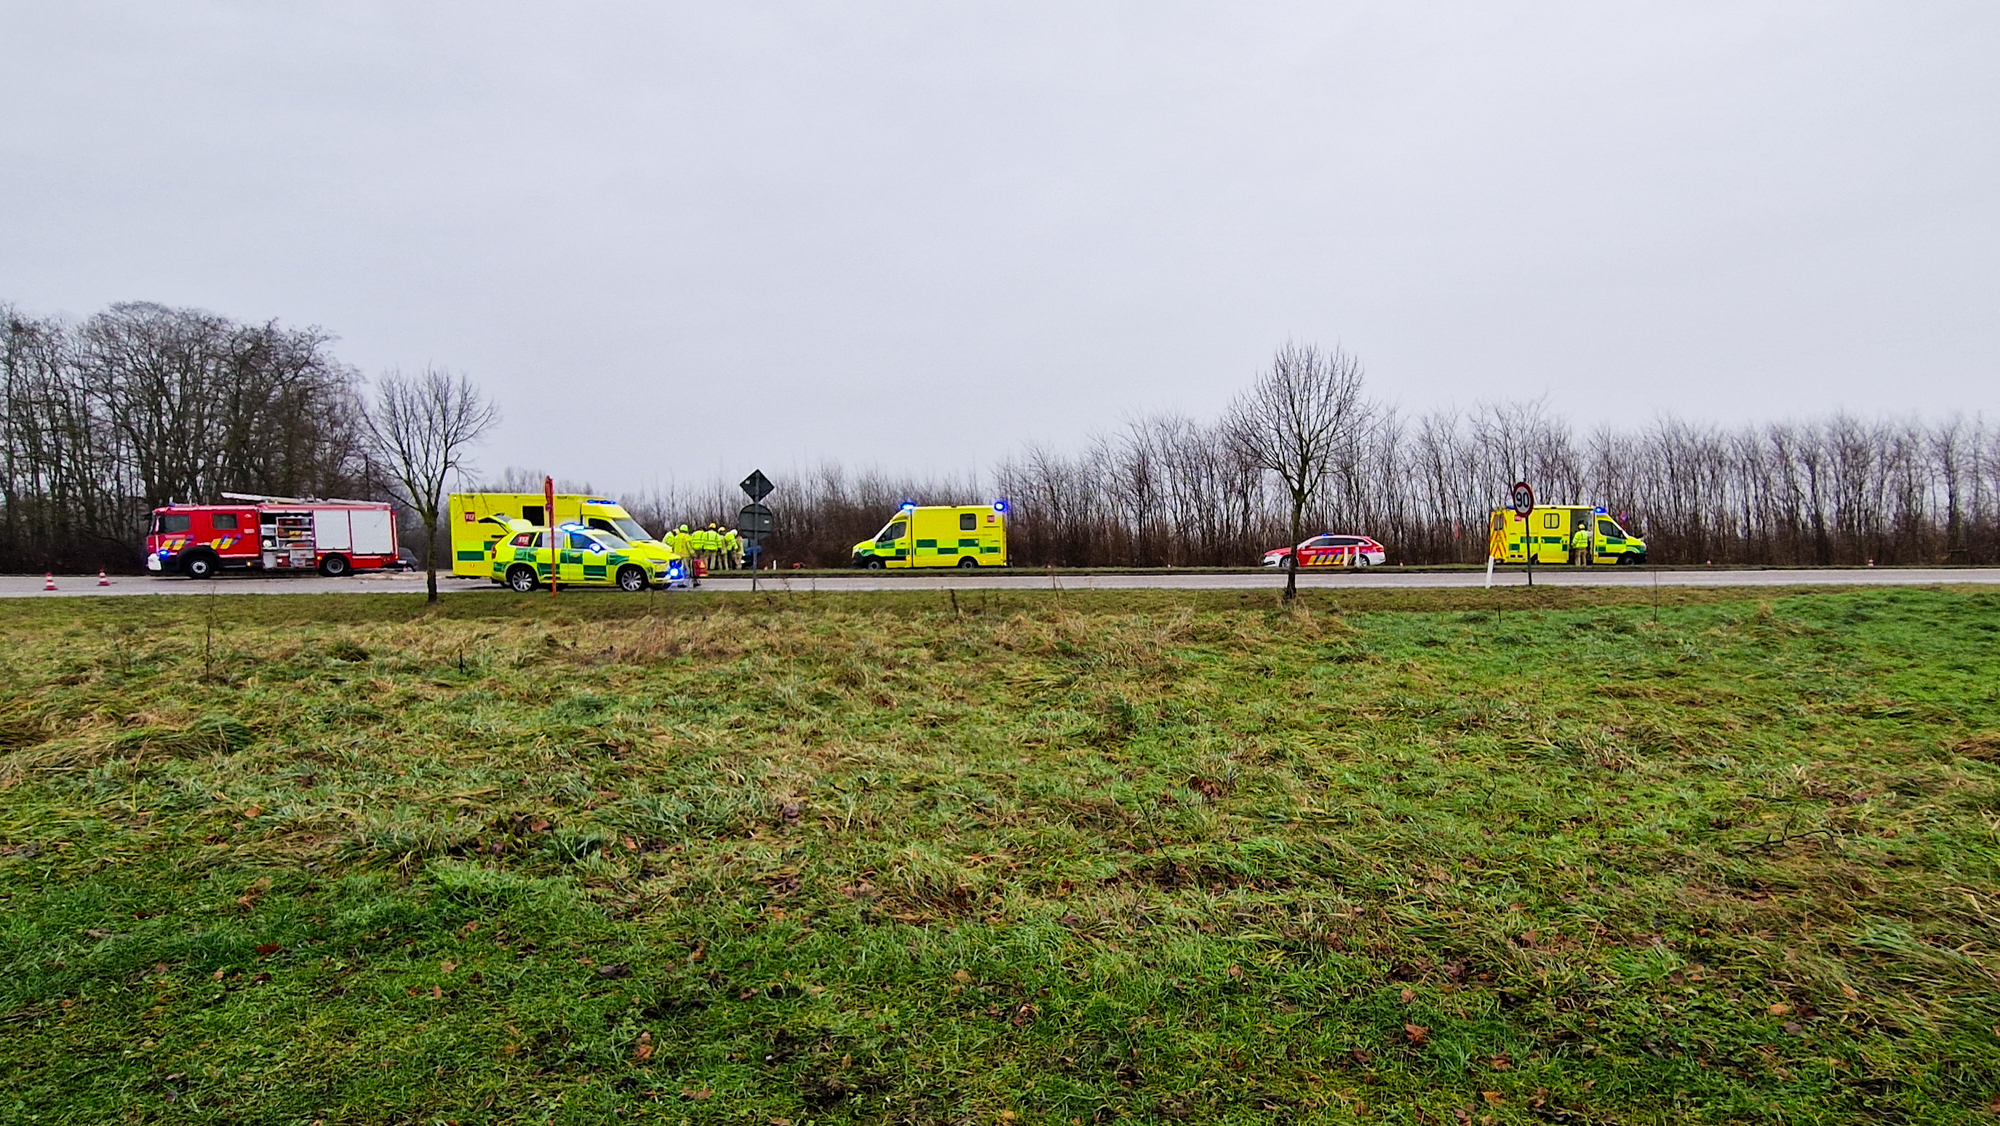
point(679, 240)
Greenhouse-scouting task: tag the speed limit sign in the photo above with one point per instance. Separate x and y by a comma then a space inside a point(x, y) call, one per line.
point(1524, 498)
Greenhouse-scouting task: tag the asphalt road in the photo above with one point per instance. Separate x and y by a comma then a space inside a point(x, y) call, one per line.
point(71, 586)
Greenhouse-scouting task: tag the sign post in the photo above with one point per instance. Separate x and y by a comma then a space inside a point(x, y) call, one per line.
point(1524, 505)
point(755, 521)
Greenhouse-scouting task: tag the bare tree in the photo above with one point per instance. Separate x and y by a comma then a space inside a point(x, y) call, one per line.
point(1296, 421)
point(420, 428)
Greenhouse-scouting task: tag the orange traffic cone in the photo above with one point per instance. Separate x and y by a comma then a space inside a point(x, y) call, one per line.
point(101, 579)
point(49, 581)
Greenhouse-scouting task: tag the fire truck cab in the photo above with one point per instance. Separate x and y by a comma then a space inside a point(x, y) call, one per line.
point(281, 534)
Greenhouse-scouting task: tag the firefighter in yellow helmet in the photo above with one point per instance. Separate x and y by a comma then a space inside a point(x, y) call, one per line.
point(732, 549)
point(682, 541)
point(711, 543)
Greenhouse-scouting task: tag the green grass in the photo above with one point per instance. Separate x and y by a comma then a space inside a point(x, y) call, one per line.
point(1431, 856)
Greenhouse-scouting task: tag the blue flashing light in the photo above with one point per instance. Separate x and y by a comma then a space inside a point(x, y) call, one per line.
point(596, 500)
point(1000, 506)
point(1599, 510)
point(909, 506)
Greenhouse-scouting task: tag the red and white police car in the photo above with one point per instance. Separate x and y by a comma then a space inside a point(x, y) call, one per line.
point(1329, 550)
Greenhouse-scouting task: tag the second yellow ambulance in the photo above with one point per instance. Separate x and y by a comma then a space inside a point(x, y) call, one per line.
point(938, 535)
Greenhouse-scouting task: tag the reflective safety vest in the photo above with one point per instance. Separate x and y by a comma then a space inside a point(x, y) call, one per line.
point(730, 541)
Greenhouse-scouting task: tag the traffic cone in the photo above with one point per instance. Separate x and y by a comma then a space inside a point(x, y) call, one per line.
point(101, 579)
point(49, 581)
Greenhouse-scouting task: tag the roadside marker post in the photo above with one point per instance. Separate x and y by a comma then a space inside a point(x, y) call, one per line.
point(549, 514)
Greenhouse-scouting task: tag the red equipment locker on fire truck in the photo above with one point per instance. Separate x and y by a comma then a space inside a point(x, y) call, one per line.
point(332, 537)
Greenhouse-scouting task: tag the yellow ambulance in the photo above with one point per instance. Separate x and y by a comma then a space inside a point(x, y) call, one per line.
point(479, 520)
point(938, 535)
point(1551, 530)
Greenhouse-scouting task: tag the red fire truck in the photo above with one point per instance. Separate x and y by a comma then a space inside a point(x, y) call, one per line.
point(263, 533)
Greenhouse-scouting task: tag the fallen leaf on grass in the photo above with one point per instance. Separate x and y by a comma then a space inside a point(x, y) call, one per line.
point(1501, 1062)
point(254, 811)
point(1493, 1098)
point(645, 1049)
point(1409, 995)
point(447, 967)
point(266, 949)
point(615, 969)
point(1416, 1032)
point(1850, 993)
point(690, 1092)
point(1779, 1009)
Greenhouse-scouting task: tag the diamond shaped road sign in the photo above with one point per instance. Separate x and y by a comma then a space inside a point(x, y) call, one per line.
point(757, 486)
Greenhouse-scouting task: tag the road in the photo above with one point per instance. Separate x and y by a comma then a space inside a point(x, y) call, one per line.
point(72, 586)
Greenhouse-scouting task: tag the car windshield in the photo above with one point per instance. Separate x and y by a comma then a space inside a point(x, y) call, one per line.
point(615, 543)
point(631, 529)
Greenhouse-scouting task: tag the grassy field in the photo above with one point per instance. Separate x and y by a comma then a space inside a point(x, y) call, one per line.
point(1431, 856)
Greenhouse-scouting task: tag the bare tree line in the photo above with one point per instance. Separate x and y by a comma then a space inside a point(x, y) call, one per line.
point(1166, 490)
point(142, 404)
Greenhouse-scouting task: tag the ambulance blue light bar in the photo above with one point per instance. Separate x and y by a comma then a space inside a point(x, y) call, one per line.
point(909, 506)
point(1000, 506)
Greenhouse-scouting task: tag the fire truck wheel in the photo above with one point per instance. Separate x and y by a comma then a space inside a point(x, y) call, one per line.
point(967, 561)
point(521, 579)
point(200, 565)
point(333, 566)
point(631, 579)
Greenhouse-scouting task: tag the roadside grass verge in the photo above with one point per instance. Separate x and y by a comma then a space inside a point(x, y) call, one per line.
point(1403, 856)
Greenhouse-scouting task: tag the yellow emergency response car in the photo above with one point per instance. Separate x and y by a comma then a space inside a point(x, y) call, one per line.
point(479, 520)
point(584, 556)
point(938, 535)
point(1558, 533)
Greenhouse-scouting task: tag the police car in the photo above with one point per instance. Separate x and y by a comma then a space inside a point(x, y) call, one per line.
point(1329, 550)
